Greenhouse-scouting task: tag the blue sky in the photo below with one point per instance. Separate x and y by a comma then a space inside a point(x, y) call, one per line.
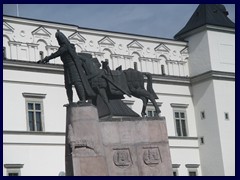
point(159, 20)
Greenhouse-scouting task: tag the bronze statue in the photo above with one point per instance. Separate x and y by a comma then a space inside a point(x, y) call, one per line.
point(73, 71)
point(104, 87)
point(134, 80)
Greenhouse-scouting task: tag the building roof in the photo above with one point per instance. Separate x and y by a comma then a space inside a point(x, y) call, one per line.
point(100, 30)
point(207, 14)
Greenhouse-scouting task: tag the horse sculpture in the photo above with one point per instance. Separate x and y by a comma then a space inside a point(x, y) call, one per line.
point(132, 82)
point(135, 81)
point(104, 87)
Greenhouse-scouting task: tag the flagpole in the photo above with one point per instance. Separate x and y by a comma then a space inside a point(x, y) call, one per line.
point(17, 11)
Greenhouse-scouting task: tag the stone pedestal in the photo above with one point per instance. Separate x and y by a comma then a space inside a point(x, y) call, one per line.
point(117, 146)
point(84, 149)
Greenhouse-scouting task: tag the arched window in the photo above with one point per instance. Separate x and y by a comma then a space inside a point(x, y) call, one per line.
point(6, 48)
point(164, 66)
point(41, 54)
point(136, 63)
point(4, 53)
point(42, 51)
point(163, 69)
point(107, 55)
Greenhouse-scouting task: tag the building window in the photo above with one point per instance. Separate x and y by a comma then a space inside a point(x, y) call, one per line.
point(163, 70)
point(13, 169)
point(175, 169)
point(4, 53)
point(180, 118)
point(226, 116)
point(34, 111)
point(150, 110)
point(13, 174)
point(41, 54)
point(202, 140)
point(192, 169)
point(151, 113)
point(192, 173)
point(175, 173)
point(202, 114)
point(135, 65)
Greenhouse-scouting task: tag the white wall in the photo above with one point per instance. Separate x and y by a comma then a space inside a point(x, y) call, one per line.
point(184, 155)
point(225, 102)
point(222, 50)
point(18, 82)
point(38, 160)
point(199, 54)
point(210, 152)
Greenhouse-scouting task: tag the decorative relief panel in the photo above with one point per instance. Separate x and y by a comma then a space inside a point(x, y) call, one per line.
point(106, 41)
point(22, 33)
point(41, 32)
point(76, 37)
point(80, 147)
point(162, 48)
point(151, 156)
point(135, 45)
point(122, 158)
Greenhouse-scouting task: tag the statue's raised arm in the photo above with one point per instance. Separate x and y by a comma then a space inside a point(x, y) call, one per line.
point(73, 72)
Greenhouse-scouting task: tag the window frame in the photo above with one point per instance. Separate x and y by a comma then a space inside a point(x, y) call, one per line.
point(135, 65)
point(41, 54)
point(192, 168)
point(151, 108)
point(4, 53)
point(13, 171)
point(163, 69)
point(180, 119)
point(175, 168)
point(13, 168)
point(226, 116)
point(203, 115)
point(35, 99)
point(180, 108)
point(202, 140)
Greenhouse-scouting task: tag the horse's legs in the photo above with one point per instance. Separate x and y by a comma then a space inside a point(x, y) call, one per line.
point(145, 101)
point(158, 111)
point(140, 93)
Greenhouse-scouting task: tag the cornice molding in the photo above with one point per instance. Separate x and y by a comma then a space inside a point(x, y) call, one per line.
point(34, 133)
point(13, 166)
point(216, 75)
point(192, 165)
point(71, 27)
point(177, 105)
point(205, 28)
point(32, 66)
point(165, 79)
point(34, 95)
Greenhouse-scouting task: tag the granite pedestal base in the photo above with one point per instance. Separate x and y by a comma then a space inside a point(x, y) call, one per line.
point(115, 147)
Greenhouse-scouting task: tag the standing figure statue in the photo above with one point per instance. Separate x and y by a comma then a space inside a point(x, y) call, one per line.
point(73, 71)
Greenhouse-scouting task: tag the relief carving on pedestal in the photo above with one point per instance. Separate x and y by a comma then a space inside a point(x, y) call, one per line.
point(78, 145)
point(122, 158)
point(151, 156)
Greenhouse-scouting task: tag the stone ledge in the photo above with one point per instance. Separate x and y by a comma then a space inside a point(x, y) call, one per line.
point(120, 119)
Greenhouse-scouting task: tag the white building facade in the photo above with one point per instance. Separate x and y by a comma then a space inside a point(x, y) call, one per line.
point(194, 78)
